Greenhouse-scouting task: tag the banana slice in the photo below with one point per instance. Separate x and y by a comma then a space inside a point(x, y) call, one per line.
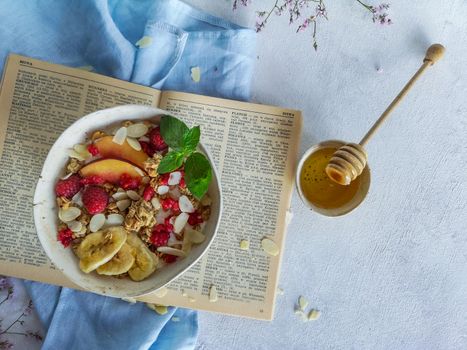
point(100, 247)
point(145, 261)
point(120, 263)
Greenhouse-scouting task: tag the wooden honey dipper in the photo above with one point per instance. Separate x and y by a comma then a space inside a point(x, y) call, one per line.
point(348, 162)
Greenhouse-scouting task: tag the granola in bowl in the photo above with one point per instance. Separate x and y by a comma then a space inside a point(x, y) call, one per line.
point(133, 198)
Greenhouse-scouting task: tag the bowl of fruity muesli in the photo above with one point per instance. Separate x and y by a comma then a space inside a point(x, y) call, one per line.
point(128, 200)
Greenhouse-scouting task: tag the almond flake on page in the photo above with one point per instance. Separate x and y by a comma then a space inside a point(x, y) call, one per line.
point(213, 294)
point(270, 247)
point(244, 244)
point(120, 136)
point(195, 74)
point(144, 42)
point(134, 143)
point(302, 302)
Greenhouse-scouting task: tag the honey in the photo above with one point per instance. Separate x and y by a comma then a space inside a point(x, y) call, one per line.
point(318, 188)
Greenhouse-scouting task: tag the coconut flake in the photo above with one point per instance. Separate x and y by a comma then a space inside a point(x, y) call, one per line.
point(174, 178)
point(75, 226)
point(160, 293)
point(69, 214)
point(269, 246)
point(119, 196)
point(162, 190)
point(302, 302)
point(156, 204)
point(123, 204)
point(97, 221)
point(213, 294)
point(133, 195)
point(134, 143)
point(185, 204)
point(114, 220)
point(137, 130)
point(195, 236)
point(180, 222)
point(120, 136)
point(171, 251)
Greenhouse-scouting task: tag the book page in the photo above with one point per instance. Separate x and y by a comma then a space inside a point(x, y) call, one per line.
point(255, 148)
point(38, 102)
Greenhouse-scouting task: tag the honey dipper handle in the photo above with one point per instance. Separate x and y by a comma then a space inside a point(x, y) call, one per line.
point(433, 54)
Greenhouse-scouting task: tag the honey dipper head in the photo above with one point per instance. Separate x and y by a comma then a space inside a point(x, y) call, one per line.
point(346, 164)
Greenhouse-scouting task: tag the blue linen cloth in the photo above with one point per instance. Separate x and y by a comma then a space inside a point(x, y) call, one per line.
point(102, 34)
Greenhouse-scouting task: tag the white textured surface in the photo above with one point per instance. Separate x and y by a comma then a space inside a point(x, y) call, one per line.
point(392, 274)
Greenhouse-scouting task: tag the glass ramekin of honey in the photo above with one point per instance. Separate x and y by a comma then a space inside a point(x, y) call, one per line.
point(319, 192)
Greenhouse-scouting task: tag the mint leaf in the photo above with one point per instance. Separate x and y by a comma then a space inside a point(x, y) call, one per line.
point(198, 174)
point(191, 139)
point(172, 160)
point(173, 131)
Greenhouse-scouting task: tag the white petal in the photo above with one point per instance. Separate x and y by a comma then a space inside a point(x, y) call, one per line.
point(114, 220)
point(75, 226)
point(185, 205)
point(133, 195)
point(163, 189)
point(97, 221)
point(134, 143)
point(123, 204)
point(137, 130)
point(174, 178)
point(171, 251)
point(69, 214)
point(180, 222)
point(269, 246)
point(120, 136)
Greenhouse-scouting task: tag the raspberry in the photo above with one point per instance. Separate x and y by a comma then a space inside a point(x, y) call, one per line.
point(182, 183)
point(92, 148)
point(92, 180)
point(148, 193)
point(129, 183)
point(68, 187)
point(169, 258)
point(169, 203)
point(164, 179)
point(156, 140)
point(147, 148)
point(160, 235)
point(195, 219)
point(65, 236)
point(95, 199)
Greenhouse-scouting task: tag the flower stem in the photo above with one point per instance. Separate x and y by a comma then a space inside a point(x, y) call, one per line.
point(368, 7)
point(11, 325)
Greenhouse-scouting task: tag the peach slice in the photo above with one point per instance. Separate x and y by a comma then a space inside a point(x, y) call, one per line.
point(109, 149)
point(111, 170)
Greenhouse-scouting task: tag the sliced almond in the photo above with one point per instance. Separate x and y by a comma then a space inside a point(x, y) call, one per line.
point(73, 154)
point(160, 309)
point(270, 247)
point(114, 220)
point(185, 204)
point(120, 136)
point(213, 294)
point(302, 302)
point(75, 226)
point(119, 196)
point(195, 236)
point(137, 130)
point(244, 244)
point(134, 143)
point(174, 178)
point(78, 199)
point(96, 223)
point(156, 204)
point(123, 204)
point(163, 190)
point(160, 293)
point(139, 171)
point(180, 222)
point(82, 149)
point(314, 315)
point(133, 195)
point(171, 251)
point(69, 214)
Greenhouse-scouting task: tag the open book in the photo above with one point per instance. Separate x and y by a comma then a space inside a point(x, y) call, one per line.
point(254, 146)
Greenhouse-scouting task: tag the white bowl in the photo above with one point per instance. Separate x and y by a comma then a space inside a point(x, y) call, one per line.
point(45, 210)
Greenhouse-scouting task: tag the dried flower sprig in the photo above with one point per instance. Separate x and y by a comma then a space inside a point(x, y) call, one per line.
point(296, 9)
